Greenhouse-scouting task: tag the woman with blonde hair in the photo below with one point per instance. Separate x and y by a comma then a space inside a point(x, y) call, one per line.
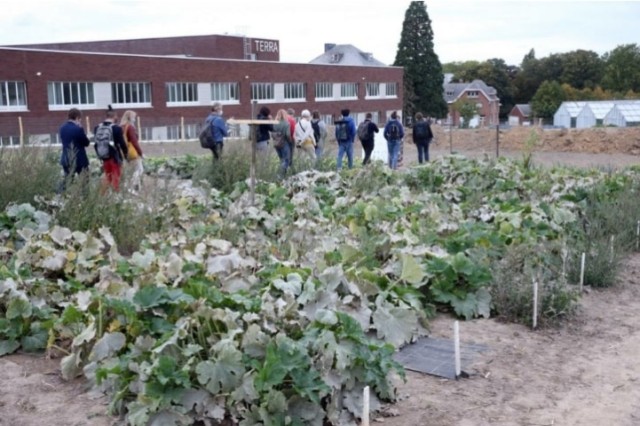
point(134, 155)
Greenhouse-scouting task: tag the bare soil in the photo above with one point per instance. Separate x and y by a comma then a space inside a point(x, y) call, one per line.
point(585, 373)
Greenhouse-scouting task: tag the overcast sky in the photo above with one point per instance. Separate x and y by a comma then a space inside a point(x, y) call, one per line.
point(463, 30)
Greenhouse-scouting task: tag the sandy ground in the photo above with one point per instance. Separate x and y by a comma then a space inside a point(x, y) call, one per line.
point(585, 373)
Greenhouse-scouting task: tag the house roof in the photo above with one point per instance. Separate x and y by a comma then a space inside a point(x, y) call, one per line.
point(452, 91)
point(525, 109)
point(347, 54)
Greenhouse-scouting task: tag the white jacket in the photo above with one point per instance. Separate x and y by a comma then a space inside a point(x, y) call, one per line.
point(304, 130)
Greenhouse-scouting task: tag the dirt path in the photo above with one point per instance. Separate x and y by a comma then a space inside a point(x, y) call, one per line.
point(586, 373)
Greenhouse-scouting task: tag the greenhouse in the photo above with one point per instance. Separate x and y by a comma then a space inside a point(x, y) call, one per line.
point(624, 115)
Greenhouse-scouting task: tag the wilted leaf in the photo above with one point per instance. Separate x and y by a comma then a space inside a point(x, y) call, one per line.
point(107, 345)
point(412, 271)
point(224, 373)
point(395, 325)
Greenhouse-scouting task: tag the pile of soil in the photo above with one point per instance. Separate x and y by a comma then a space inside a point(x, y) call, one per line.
point(609, 140)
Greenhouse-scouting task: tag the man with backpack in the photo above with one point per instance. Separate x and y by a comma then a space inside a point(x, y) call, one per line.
point(422, 137)
point(366, 133)
point(218, 128)
point(73, 158)
point(393, 133)
point(111, 148)
point(345, 135)
point(319, 132)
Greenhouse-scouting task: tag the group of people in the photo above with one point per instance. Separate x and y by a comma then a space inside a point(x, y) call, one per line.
point(309, 134)
point(113, 142)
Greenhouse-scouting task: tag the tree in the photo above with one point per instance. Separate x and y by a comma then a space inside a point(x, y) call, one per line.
point(423, 77)
point(581, 69)
point(467, 111)
point(547, 99)
point(622, 69)
point(497, 74)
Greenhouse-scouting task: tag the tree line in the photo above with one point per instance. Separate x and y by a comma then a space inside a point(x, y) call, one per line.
point(542, 82)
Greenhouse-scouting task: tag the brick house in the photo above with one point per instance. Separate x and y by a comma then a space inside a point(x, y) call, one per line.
point(172, 82)
point(520, 114)
point(484, 97)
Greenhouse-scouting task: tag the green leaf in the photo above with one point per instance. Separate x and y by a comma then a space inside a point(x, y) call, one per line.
point(223, 374)
point(19, 308)
point(8, 347)
point(150, 296)
point(35, 341)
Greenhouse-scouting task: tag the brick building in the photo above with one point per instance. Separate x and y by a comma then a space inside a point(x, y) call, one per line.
point(172, 82)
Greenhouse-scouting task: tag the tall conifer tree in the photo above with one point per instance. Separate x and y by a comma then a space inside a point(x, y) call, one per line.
point(423, 77)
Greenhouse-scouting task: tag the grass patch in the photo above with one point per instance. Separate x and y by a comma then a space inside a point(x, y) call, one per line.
point(27, 173)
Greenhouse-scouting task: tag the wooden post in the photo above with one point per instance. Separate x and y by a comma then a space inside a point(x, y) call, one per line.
point(253, 141)
point(181, 129)
point(497, 141)
point(21, 131)
point(451, 135)
point(88, 124)
point(139, 128)
point(582, 261)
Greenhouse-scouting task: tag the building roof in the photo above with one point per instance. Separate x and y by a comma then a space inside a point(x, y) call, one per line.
point(525, 109)
point(346, 54)
point(452, 91)
point(630, 111)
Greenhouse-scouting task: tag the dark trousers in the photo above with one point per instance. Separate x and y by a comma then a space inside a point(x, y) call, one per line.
point(423, 151)
point(217, 150)
point(367, 146)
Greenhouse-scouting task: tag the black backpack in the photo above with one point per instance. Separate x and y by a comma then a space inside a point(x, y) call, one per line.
point(394, 130)
point(420, 131)
point(363, 131)
point(342, 131)
point(316, 130)
point(104, 139)
point(206, 136)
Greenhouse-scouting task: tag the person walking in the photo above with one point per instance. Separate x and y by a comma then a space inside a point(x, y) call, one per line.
point(366, 133)
point(319, 132)
point(303, 135)
point(283, 142)
point(393, 133)
point(219, 129)
point(73, 159)
point(345, 135)
point(422, 137)
point(134, 151)
point(111, 148)
point(262, 132)
point(291, 119)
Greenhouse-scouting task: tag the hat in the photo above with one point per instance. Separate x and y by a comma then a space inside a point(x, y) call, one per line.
point(305, 113)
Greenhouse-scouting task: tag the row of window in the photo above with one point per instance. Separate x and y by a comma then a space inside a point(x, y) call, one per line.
point(13, 94)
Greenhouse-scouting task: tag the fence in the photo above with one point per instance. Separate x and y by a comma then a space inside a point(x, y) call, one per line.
point(17, 131)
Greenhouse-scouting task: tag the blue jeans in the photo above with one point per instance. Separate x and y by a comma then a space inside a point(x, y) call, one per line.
point(423, 151)
point(345, 148)
point(394, 150)
point(284, 154)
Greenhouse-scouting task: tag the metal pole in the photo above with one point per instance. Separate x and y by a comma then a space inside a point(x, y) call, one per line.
point(252, 139)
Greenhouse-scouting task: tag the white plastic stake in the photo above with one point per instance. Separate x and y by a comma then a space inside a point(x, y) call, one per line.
point(535, 304)
point(365, 406)
point(456, 347)
point(613, 239)
point(584, 257)
point(638, 236)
